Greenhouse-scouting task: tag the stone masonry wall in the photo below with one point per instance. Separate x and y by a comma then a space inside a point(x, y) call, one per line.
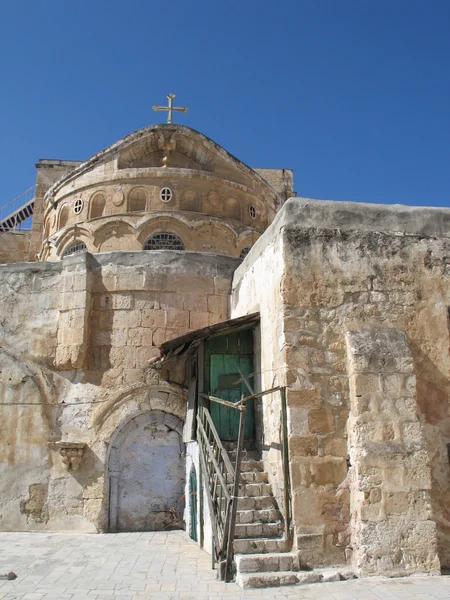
point(392, 531)
point(76, 339)
point(15, 246)
point(257, 289)
point(359, 268)
point(350, 281)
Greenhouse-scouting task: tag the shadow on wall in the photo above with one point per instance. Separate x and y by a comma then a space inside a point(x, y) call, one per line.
point(433, 393)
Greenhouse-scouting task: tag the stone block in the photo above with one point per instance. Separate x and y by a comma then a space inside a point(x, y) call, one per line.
point(70, 337)
point(222, 286)
point(131, 279)
point(297, 358)
point(321, 420)
point(330, 472)
point(412, 432)
point(115, 301)
point(135, 336)
point(302, 446)
point(309, 398)
point(162, 335)
point(194, 303)
point(147, 336)
point(143, 355)
point(177, 320)
point(169, 300)
point(70, 300)
point(218, 305)
point(198, 320)
point(379, 351)
point(298, 421)
point(116, 337)
point(195, 284)
point(153, 318)
point(125, 319)
point(335, 446)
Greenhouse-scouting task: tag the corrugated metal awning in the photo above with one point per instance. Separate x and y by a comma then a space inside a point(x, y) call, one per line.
point(187, 343)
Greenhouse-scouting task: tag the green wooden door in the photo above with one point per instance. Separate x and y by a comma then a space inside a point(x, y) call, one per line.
point(224, 356)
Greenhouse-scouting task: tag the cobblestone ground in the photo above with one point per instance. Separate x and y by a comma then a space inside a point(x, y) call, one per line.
point(133, 566)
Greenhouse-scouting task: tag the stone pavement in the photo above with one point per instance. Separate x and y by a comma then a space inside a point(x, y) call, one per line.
point(162, 565)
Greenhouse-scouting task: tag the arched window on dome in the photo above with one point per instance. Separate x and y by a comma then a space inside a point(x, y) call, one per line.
point(164, 241)
point(63, 216)
point(98, 204)
point(76, 247)
point(244, 252)
point(137, 200)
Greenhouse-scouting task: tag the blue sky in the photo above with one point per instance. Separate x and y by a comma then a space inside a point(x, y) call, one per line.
point(354, 95)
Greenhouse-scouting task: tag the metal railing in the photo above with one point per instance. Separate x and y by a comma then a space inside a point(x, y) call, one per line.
point(218, 472)
point(223, 481)
point(17, 210)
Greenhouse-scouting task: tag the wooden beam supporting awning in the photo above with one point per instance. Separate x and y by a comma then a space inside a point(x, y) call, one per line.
point(184, 345)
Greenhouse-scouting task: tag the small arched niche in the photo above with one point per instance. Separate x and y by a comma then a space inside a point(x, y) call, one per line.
point(63, 216)
point(137, 201)
point(98, 205)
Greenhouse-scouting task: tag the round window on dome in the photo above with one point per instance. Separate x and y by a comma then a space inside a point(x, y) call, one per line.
point(78, 206)
point(165, 194)
point(252, 211)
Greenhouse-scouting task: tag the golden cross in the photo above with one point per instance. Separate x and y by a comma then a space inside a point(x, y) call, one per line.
point(170, 108)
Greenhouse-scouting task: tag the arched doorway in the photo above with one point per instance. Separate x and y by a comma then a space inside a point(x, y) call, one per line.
point(146, 472)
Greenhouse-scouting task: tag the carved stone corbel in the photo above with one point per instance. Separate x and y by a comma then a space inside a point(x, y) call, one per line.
point(72, 453)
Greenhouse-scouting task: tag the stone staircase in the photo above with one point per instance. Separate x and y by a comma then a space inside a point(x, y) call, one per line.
point(262, 555)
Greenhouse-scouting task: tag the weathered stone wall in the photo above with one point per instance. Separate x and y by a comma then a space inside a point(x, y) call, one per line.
point(392, 531)
point(15, 246)
point(256, 288)
point(357, 268)
point(77, 336)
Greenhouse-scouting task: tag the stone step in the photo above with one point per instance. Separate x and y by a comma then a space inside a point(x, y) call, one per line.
point(251, 477)
point(261, 545)
point(263, 580)
point(259, 530)
point(256, 502)
point(270, 515)
point(279, 578)
point(252, 465)
point(263, 563)
point(255, 489)
point(246, 455)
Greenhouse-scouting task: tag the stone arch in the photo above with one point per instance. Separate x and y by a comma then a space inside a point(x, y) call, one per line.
point(233, 208)
point(115, 235)
point(167, 225)
point(71, 236)
point(63, 216)
point(98, 205)
point(146, 472)
point(137, 200)
point(213, 236)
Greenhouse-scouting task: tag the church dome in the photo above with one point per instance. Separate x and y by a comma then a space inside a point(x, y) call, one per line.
point(164, 186)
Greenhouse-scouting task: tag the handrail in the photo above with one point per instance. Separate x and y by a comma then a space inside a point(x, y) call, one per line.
point(215, 463)
point(25, 197)
point(218, 469)
point(218, 441)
